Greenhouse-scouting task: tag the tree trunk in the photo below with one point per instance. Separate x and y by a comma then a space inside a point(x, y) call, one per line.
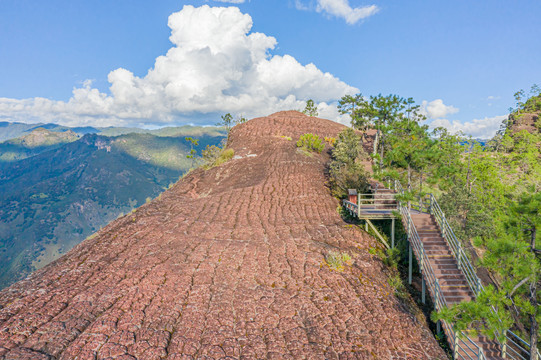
point(376, 143)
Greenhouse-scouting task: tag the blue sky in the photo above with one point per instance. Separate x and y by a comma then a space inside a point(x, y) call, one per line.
point(464, 59)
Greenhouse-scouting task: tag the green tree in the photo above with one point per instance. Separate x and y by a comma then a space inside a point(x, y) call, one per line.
point(526, 219)
point(192, 154)
point(311, 108)
point(496, 199)
point(227, 122)
point(379, 111)
point(346, 169)
point(240, 120)
point(350, 105)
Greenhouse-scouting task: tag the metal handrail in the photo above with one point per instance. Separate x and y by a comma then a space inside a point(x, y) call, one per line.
point(464, 263)
point(434, 286)
point(432, 207)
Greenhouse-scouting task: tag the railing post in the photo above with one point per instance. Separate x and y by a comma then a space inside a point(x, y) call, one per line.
point(358, 205)
point(478, 286)
point(437, 297)
point(410, 265)
point(423, 293)
point(459, 255)
point(504, 345)
point(455, 347)
point(480, 355)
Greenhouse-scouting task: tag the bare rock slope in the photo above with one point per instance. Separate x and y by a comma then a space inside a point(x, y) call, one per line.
point(229, 263)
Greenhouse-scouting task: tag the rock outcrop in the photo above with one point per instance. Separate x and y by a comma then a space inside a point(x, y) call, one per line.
point(228, 263)
point(526, 121)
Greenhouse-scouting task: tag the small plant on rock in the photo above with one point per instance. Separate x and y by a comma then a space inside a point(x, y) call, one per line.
point(215, 155)
point(311, 142)
point(336, 260)
point(395, 283)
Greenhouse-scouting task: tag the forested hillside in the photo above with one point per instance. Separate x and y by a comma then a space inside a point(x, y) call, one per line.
point(490, 194)
point(51, 201)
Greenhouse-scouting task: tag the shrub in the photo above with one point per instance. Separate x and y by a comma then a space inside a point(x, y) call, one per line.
point(346, 169)
point(311, 142)
point(396, 284)
point(336, 260)
point(330, 140)
point(225, 156)
point(215, 155)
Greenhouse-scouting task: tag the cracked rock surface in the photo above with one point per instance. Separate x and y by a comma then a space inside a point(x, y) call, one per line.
point(227, 264)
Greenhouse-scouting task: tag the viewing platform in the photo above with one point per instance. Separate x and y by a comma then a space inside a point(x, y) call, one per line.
point(381, 204)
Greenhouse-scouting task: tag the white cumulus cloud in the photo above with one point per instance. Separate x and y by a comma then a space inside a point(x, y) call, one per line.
point(338, 8)
point(478, 128)
point(216, 65)
point(342, 9)
point(437, 109)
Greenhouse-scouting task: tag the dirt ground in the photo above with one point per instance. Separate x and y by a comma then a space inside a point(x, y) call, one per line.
point(227, 264)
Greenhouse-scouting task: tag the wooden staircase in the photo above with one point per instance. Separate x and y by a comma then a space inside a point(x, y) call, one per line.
point(452, 282)
point(447, 273)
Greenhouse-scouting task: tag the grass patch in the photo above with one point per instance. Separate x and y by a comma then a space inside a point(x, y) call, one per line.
point(336, 260)
point(330, 140)
point(311, 143)
point(395, 283)
point(288, 138)
point(216, 156)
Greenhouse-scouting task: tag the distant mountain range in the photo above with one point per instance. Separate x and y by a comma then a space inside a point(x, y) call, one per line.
point(58, 185)
point(12, 130)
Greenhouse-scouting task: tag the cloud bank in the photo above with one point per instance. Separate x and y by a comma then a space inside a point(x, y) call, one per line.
point(478, 128)
point(216, 65)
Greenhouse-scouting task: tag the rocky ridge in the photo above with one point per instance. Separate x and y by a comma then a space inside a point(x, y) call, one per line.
point(228, 263)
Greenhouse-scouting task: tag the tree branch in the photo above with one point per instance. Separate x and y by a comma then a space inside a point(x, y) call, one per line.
point(518, 285)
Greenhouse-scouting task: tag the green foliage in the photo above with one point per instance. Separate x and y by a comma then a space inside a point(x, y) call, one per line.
point(225, 156)
point(52, 201)
point(478, 316)
point(36, 142)
point(494, 199)
point(336, 260)
point(490, 195)
point(226, 121)
point(392, 257)
point(346, 170)
point(330, 140)
point(382, 113)
point(215, 156)
point(531, 105)
point(311, 108)
point(191, 155)
point(395, 283)
point(240, 120)
point(465, 213)
point(311, 142)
